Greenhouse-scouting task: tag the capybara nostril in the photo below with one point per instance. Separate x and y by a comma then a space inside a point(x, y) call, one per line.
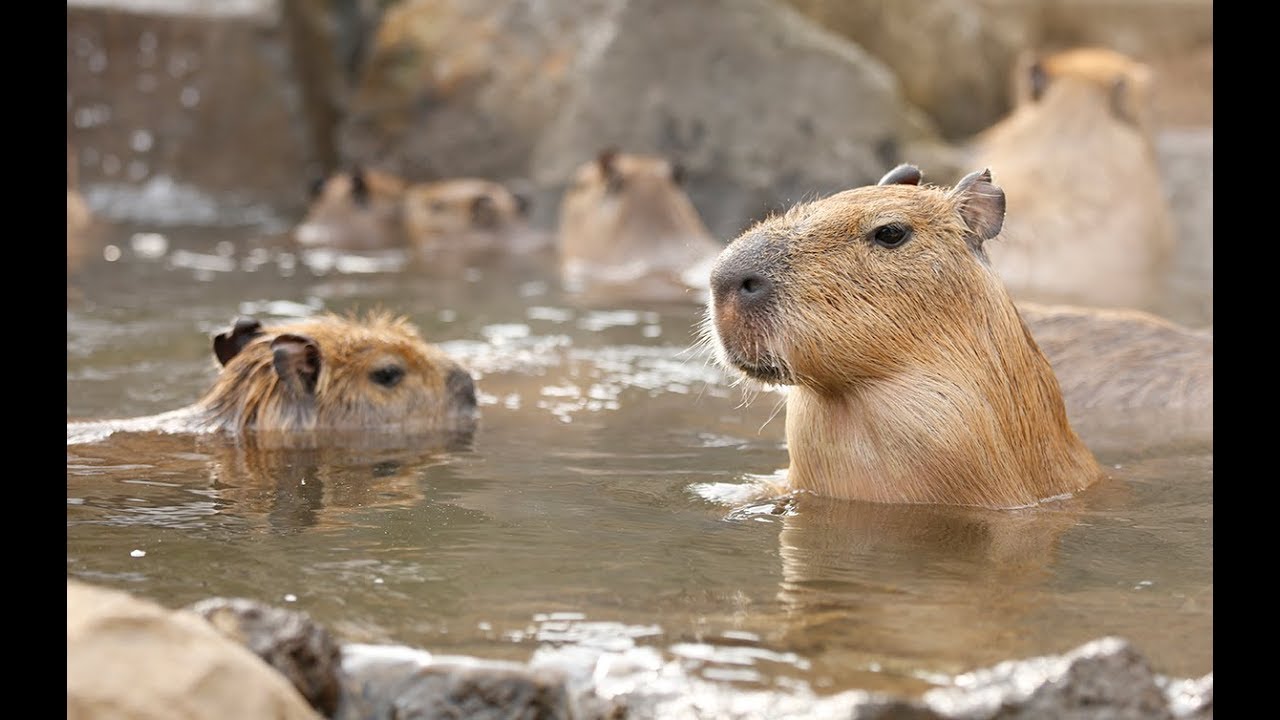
point(754, 288)
point(461, 387)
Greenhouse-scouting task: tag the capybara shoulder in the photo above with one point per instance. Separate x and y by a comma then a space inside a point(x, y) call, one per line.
point(336, 373)
point(913, 378)
point(1077, 158)
point(355, 210)
point(628, 230)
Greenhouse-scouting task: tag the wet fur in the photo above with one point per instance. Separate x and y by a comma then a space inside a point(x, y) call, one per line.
point(1077, 159)
point(627, 230)
point(264, 388)
point(914, 378)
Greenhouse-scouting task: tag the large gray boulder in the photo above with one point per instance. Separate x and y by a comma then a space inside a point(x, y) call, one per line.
point(760, 105)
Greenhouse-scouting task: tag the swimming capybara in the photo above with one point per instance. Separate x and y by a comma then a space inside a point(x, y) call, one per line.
point(355, 210)
point(913, 378)
point(629, 232)
point(471, 215)
point(1077, 158)
point(328, 373)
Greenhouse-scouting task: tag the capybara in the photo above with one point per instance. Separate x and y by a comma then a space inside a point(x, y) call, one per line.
point(914, 379)
point(78, 217)
point(1077, 158)
point(628, 232)
point(468, 215)
point(355, 210)
point(329, 373)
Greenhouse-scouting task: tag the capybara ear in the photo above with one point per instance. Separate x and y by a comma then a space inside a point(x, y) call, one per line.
point(229, 344)
point(315, 187)
point(359, 187)
point(904, 174)
point(678, 173)
point(484, 212)
point(1037, 80)
point(296, 359)
point(981, 205)
point(523, 204)
point(607, 161)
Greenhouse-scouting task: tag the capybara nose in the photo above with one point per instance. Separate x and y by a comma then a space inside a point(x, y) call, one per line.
point(743, 286)
point(461, 387)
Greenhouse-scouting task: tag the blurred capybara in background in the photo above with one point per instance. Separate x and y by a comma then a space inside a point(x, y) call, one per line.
point(913, 378)
point(78, 217)
point(355, 210)
point(1077, 160)
point(629, 232)
point(328, 373)
point(471, 215)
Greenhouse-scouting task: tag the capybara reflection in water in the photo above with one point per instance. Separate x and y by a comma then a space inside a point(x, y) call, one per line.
point(328, 373)
point(1077, 159)
point(628, 232)
point(468, 216)
point(914, 379)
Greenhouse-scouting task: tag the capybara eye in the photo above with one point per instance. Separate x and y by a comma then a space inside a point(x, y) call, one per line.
point(891, 235)
point(388, 376)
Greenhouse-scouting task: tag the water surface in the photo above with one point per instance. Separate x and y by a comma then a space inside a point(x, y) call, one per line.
point(582, 513)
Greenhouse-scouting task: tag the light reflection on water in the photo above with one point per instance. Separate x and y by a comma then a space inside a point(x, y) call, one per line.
point(599, 505)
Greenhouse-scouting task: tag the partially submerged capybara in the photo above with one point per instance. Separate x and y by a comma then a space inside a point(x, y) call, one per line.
point(914, 379)
point(471, 215)
point(328, 373)
point(78, 217)
point(355, 210)
point(1077, 159)
point(628, 231)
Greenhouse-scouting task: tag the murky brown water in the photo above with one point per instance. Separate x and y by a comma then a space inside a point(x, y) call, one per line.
point(578, 515)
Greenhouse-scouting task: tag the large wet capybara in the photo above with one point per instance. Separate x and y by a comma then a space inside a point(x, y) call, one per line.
point(628, 232)
point(1077, 158)
point(913, 377)
point(471, 216)
point(329, 373)
point(359, 209)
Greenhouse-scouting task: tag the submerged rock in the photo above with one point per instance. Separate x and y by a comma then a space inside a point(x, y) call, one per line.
point(290, 641)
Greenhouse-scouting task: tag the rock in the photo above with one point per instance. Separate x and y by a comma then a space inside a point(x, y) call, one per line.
point(233, 103)
point(760, 105)
point(288, 640)
point(389, 682)
point(952, 58)
point(1186, 166)
point(457, 88)
point(130, 658)
point(1106, 679)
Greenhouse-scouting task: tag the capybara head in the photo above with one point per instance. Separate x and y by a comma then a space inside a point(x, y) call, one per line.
point(464, 213)
point(914, 379)
point(857, 285)
point(1087, 76)
point(337, 373)
point(355, 210)
point(625, 216)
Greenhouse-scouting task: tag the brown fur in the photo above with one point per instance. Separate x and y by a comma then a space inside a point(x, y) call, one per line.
point(338, 219)
point(78, 218)
point(468, 214)
point(628, 231)
point(1076, 157)
point(914, 379)
point(339, 375)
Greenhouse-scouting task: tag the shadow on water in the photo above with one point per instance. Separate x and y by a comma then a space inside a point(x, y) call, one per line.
point(573, 516)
